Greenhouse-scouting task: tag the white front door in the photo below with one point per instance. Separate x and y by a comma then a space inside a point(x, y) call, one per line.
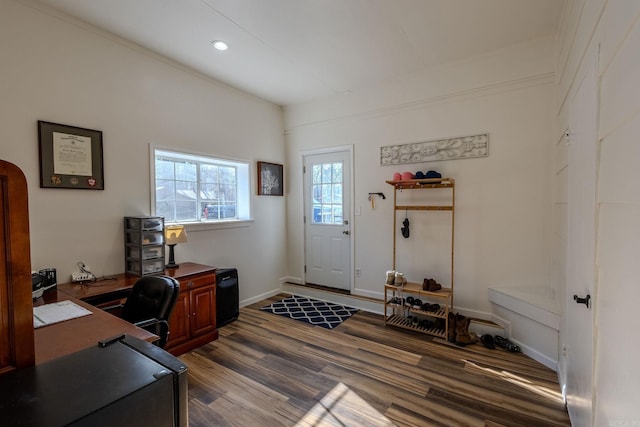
point(581, 247)
point(327, 194)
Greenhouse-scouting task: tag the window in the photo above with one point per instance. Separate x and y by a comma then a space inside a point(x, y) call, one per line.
point(191, 188)
point(327, 193)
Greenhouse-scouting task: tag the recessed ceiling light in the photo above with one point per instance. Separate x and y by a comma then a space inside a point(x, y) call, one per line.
point(220, 45)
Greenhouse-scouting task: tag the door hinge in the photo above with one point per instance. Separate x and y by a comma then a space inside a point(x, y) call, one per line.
point(305, 268)
point(304, 219)
point(304, 169)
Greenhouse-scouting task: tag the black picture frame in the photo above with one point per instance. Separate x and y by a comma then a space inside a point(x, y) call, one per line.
point(70, 157)
point(270, 179)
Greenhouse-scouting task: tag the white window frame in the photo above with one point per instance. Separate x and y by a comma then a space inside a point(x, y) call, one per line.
point(243, 188)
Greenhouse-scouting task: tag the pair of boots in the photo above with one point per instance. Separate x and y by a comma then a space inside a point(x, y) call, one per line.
point(395, 278)
point(430, 285)
point(458, 332)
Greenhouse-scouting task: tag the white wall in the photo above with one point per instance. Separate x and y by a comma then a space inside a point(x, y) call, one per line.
point(613, 28)
point(57, 69)
point(503, 203)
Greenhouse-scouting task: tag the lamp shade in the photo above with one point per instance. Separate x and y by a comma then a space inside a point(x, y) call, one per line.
point(174, 234)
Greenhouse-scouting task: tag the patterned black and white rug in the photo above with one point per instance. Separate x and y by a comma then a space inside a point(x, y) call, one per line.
point(320, 313)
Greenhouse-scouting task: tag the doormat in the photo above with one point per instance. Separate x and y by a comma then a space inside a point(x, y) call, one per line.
point(315, 312)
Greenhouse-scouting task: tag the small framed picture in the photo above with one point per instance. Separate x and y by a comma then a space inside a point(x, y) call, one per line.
point(270, 179)
point(70, 157)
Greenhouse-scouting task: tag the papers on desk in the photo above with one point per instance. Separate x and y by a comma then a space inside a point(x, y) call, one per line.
point(57, 312)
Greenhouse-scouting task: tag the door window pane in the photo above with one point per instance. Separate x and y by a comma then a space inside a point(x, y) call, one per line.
point(327, 193)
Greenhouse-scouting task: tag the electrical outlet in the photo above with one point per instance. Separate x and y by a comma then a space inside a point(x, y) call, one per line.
point(80, 277)
point(84, 275)
point(358, 272)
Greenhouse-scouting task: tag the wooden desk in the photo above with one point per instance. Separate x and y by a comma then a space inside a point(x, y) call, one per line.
point(193, 320)
point(60, 339)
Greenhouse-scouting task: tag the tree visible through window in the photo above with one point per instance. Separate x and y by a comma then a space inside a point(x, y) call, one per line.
point(327, 193)
point(195, 188)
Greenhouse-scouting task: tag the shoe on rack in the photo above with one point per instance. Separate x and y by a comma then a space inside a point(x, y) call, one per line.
point(426, 324)
point(433, 307)
point(430, 285)
point(399, 279)
point(391, 277)
point(434, 286)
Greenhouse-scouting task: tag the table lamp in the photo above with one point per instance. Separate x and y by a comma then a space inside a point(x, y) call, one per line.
point(174, 234)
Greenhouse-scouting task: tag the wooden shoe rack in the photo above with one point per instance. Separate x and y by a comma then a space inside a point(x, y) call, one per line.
point(396, 310)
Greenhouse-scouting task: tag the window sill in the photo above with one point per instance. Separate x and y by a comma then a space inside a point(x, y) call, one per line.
point(217, 225)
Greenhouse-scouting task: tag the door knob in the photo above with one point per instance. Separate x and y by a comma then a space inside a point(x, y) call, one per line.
point(346, 232)
point(586, 300)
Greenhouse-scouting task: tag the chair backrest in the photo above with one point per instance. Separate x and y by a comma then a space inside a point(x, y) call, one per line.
point(152, 297)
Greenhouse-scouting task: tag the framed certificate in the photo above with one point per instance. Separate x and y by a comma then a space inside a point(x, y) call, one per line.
point(70, 157)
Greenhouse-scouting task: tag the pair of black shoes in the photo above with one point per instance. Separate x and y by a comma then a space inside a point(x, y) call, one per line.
point(415, 321)
point(501, 342)
point(396, 300)
point(430, 307)
point(414, 302)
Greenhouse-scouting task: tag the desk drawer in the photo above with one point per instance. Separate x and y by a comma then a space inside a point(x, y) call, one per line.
point(145, 252)
point(145, 267)
point(198, 281)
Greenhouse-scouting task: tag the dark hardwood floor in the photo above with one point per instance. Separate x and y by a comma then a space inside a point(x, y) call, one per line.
point(268, 370)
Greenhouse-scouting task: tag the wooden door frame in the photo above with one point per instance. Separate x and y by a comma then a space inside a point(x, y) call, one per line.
point(16, 310)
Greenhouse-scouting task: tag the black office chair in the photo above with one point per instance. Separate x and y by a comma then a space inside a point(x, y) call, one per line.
point(150, 304)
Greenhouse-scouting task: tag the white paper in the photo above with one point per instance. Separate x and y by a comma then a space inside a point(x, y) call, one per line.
point(71, 154)
point(57, 312)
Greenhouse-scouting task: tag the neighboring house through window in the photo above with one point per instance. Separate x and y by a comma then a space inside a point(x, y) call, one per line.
point(196, 188)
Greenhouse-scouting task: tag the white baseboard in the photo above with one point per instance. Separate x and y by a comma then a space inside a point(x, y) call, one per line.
point(369, 294)
point(359, 292)
point(506, 325)
point(260, 297)
point(534, 321)
point(537, 356)
point(535, 304)
point(476, 314)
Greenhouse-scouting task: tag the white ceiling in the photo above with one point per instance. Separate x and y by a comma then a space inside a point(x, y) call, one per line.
point(295, 51)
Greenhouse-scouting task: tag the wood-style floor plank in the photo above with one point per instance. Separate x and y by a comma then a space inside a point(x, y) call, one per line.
point(268, 370)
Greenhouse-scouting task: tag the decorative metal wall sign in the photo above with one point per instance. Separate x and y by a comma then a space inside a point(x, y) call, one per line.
point(464, 147)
